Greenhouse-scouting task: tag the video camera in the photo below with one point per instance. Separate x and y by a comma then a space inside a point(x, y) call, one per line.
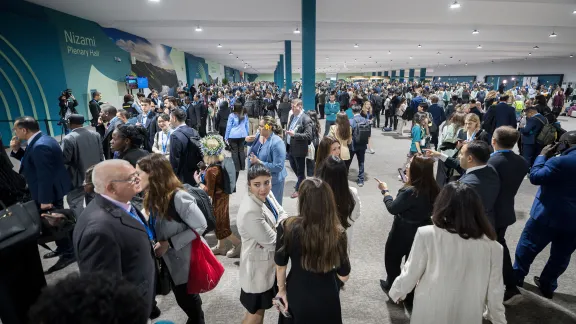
point(67, 93)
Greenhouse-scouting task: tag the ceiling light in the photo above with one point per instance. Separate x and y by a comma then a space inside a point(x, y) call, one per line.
point(219, 46)
point(574, 12)
point(370, 57)
point(356, 45)
point(529, 53)
point(327, 57)
point(198, 28)
point(355, 60)
point(438, 53)
point(536, 47)
point(154, 0)
point(451, 57)
point(571, 55)
point(230, 53)
point(410, 57)
point(466, 64)
point(475, 32)
point(513, 79)
point(237, 58)
point(296, 31)
point(445, 64)
point(553, 34)
point(419, 46)
point(479, 46)
point(455, 5)
point(389, 52)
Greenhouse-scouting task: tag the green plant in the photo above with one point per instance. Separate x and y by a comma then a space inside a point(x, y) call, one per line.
point(224, 81)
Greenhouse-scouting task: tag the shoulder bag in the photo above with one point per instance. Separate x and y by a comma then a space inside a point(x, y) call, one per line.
point(19, 223)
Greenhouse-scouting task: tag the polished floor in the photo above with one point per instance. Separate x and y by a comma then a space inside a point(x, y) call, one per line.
point(363, 302)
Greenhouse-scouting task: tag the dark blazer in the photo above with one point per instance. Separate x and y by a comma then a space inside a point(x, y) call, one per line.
point(511, 169)
point(410, 207)
point(222, 117)
point(64, 105)
point(106, 238)
point(438, 115)
point(183, 157)
point(133, 155)
point(284, 111)
point(555, 201)
point(43, 168)
point(106, 135)
point(503, 114)
point(303, 135)
point(487, 184)
point(94, 111)
point(150, 125)
point(269, 107)
point(533, 127)
point(195, 112)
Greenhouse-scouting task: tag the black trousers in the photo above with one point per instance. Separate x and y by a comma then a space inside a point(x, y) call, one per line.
point(191, 304)
point(395, 122)
point(376, 120)
point(321, 107)
point(389, 122)
point(238, 153)
point(434, 139)
point(507, 270)
point(222, 131)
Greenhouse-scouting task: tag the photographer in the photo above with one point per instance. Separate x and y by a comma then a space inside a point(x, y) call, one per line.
point(552, 215)
point(67, 107)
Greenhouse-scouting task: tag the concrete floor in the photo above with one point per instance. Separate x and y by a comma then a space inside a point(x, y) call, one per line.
point(363, 301)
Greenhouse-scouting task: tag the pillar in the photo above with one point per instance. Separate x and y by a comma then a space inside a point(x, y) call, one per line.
point(288, 64)
point(422, 74)
point(401, 77)
point(308, 53)
point(281, 72)
point(411, 73)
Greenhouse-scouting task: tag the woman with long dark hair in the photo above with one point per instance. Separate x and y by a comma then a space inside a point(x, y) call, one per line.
point(236, 132)
point(455, 264)
point(334, 172)
point(411, 208)
point(342, 131)
point(315, 141)
point(329, 146)
point(171, 212)
point(315, 242)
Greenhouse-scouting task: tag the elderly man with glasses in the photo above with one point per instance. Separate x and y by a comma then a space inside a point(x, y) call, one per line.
point(113, 236)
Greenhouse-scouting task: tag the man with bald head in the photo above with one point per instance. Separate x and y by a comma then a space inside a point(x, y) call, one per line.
point(111, 235)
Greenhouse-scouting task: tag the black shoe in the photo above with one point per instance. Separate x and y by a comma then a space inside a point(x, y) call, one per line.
point(385, 288)
point(52, 254)
point(155, 312)
point(512, 296)
point(62, 263)
point(546, 293)
point(237, 263)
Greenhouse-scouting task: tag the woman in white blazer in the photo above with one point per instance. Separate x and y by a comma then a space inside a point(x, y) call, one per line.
point(334, 172)
point(257, 219)
point(455, 264)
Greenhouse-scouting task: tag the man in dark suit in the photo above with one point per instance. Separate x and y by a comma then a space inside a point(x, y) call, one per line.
point(147, 120)
point(358, 149)
point(501, 114)
point(534, 124)
point(42, 165)
point(511, 169)
point(197, 116)
point(552, 216)
point(94, 107)
point(106, 125)
point(111, 236)
point(298, 136)
point(185, 152)
point(269, 105)
point(472, 164)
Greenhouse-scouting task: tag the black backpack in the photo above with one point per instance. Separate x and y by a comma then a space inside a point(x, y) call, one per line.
point(361, 132)
point(203, 203)
point(228, 176)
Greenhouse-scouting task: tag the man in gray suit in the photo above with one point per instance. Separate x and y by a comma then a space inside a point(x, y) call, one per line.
point(82, 148)
point(111, 235)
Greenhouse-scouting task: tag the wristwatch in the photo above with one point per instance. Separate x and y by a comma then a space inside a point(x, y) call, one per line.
point(385, 191)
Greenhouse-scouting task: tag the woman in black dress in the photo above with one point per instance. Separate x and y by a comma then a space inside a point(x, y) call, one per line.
point(316, 243)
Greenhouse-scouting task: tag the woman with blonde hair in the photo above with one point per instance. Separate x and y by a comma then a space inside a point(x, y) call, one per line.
point(474, 129)
point(367, 113)
point(211, 180)
point(342, 131)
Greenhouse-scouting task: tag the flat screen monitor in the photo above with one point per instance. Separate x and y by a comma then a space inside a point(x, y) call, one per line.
point(131, 82)
point(142, 82)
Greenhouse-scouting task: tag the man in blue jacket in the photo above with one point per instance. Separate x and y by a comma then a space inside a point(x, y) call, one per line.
point(534, 124)
point(413, 109)
point(42, 165)
point(438, 117)
point(331, 108)
point(500, 115)
point(552, 216)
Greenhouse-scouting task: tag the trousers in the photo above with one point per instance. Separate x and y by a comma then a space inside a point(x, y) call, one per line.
point(298, 165)
point(253, 125)
point(191, 304)
point(535, 237)
point(507, 270)
point(238, 153)
point(361, 155)
point(327, 126)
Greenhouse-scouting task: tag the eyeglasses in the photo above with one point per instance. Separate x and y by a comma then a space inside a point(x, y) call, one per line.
point(134, 179)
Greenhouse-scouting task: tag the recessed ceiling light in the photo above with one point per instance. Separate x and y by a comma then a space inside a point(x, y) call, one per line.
point(198, 28)
point(479, 46)
point(237, 58)
point(230, 53)
point(154, 0)
point(296, 31)
point(356, 45)
point(466, 64)
point(419, 46)
point(327, 57)
point(455, 5)
point(536, 47)
point(370, 57)
point(219, 45)
point(355, 60)
point(451, 57)
point(571, 55)
point(529, 53)
point(438, 53)
point(553, 34)
point(410, 57)
point(574, 12)
point(445, 64)
point(389, 52)
point(475, 32)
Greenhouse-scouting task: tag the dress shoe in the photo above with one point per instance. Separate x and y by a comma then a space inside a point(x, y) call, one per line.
point(52, 254)
point(62, 263)
point(294, 195)
point(385, 288)
point(512, 297)
point(155, 312)
point(546, 293)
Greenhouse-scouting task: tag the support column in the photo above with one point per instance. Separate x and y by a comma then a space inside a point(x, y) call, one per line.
point(308, 53)
point(281, 72)
point(288, 64)
point(422, 74)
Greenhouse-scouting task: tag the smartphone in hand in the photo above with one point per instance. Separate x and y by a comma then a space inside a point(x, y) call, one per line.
point(277, 301)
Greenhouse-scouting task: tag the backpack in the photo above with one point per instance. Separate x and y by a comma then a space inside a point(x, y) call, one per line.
point(480, 96)
point(445, 97)
point(547, 134)
point(228, 175)
point(361, 132)
point(203, 202)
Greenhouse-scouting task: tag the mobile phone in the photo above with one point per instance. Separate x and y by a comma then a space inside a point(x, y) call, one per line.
point(402, 175)
point(201, 165)
point(277, 301)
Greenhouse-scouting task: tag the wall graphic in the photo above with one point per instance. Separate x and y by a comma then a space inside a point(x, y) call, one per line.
point(151, 60)
point(196, 68)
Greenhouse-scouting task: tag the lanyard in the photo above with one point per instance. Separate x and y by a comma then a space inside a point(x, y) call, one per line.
point(472, 137)
point(272, 209)
point(500, 151)
point(164, 141)
point(149, 230)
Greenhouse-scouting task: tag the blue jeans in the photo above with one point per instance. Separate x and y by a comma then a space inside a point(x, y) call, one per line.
point(278, 191)
point(298, 165)
point(361, 156)
point(327, 127)
point(535, 237)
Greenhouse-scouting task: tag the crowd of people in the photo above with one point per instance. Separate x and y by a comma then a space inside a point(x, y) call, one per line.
point(156, 176)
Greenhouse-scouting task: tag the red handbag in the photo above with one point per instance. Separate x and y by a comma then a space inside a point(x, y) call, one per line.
point(205, 270)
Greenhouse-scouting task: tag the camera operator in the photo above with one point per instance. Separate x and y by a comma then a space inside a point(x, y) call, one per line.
point(67, 107)
point(552, 215)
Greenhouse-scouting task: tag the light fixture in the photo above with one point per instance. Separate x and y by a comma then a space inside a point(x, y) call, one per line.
point(553, 34)
point(327, 57)
point(438, 53)
point(296, 31)
point(356, 45)
point(451, 57)
point(529, 54)
point(455, 5)
point(466, 64)
point(230, 53)
point(571, 55)
point(513, 79)
point(445, 64)
point(479, 46)
point(419, 46)
point(154, 0)
point(475, 32)
point(410, 57)
point(536, 47)
point(389, 52)
point(219, 46)
point(198, 28)
point(574, 12)
point(237, 58)
point(370, 57)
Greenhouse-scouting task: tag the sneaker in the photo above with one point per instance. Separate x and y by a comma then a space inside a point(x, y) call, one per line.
point(294, 195)
point(512, 297)
point(234, 251)
point(219, 250)
point(546, 293)
point(370, 151)
point(360, 184)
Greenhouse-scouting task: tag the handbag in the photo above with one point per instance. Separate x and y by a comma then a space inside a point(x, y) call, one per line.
point(19, 223)
point(311, 151)
point(205, 270)
point(163, 286)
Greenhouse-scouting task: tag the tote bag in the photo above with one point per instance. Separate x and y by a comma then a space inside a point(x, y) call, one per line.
point(205, 270)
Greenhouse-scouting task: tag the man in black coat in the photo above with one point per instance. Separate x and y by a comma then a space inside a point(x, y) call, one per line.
point(106, 125)
point(147, 120)
point(94, 107)
point(185, 152)
point(511, 169)
point(111, 235)
point(298, 135)
point(197, 116)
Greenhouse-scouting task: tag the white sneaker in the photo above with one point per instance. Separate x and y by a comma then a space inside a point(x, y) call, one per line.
point(219, 250)
point(234, 252)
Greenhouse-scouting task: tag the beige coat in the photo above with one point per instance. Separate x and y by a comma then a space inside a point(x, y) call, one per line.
point(344, 150)
point(257, 229)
